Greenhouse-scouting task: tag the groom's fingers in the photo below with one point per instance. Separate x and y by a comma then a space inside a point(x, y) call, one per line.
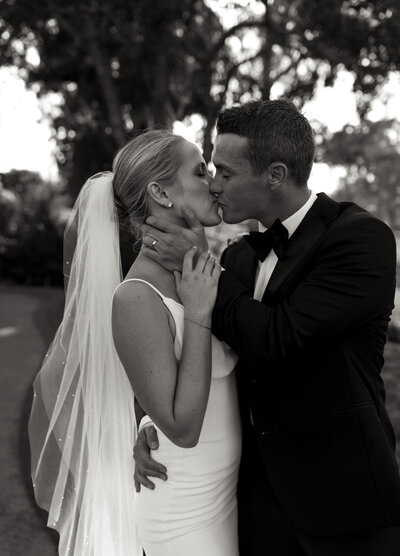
point(150, 234)
point(141, 475)
point(151, 437)
point(140, 480)
point(192, 220)
point(154, 223)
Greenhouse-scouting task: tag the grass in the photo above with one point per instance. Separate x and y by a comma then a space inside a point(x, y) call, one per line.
point(28, 319)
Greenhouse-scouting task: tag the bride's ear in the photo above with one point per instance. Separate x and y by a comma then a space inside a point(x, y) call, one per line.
point(158, 194)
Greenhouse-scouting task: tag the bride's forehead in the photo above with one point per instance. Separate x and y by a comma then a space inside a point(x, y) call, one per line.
point(191, 154)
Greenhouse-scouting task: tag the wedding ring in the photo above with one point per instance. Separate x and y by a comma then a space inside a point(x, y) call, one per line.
point(153, 244)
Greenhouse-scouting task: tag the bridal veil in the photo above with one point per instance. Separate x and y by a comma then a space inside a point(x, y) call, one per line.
point(82, 425)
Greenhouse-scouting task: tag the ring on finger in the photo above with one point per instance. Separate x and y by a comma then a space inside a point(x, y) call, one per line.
point(153, 243)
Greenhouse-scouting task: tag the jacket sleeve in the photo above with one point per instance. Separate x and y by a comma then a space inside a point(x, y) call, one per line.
point(351, 281)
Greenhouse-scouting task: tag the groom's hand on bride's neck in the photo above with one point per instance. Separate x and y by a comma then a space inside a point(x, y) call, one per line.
point(172, 241)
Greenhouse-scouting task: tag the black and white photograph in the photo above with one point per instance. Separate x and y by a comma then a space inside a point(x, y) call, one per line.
point(199, 304)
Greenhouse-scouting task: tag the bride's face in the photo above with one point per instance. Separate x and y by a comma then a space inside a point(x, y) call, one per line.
point(192, 188)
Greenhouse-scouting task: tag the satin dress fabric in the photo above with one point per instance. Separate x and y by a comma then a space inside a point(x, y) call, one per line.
point(194, 512)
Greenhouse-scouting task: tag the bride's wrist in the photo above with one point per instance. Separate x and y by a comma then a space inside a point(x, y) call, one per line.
point(201, 318)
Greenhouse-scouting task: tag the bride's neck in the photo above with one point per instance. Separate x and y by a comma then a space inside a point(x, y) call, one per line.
point(169, 215)
point(147, 269)
point(144, 265)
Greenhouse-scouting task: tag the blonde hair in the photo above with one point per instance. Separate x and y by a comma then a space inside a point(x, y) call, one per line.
point(151, 156)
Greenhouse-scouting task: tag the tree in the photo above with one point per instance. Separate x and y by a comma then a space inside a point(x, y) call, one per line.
point(300, 44)
point(119, 66)
point(371, 155)
point(123, 66)
point(31, 222)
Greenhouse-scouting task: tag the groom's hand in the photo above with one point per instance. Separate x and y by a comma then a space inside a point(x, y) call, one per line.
point(145, 465)
point(167, 243)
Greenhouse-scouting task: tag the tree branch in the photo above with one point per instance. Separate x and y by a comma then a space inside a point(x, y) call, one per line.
point(229, 32)
point(231, 72)
point(283, 72)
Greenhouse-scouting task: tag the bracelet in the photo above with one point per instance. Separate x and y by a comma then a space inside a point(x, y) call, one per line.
point(198, 324)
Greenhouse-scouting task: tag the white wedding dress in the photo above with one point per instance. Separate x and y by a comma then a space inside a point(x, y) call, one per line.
point(194, 512)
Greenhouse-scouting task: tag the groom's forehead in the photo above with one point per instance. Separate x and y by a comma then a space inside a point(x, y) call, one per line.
point(229, 147)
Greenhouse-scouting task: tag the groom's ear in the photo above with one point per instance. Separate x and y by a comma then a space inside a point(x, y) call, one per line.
point(277, 174)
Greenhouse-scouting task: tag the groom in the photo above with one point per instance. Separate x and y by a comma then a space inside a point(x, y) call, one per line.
point(308, 319)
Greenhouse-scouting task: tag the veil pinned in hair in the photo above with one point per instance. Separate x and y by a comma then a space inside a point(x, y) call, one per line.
point(82, 426)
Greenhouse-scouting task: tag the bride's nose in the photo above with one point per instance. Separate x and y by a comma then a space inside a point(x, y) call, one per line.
point(215, 187)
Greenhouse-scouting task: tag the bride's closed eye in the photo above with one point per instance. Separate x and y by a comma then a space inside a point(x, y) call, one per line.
point(201, 171)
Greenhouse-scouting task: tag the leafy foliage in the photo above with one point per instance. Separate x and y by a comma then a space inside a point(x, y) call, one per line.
point(371, 155)
point(124, 66)
point(121, 66)
point(30, 229)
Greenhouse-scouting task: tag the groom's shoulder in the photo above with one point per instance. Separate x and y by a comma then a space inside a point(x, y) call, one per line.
point(351, 214)
point(235, 246)
point(354, 221)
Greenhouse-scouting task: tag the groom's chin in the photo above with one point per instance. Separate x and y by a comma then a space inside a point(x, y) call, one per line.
point(229, 218)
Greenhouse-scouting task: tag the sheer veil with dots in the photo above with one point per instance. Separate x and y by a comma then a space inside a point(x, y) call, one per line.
point(82, 426)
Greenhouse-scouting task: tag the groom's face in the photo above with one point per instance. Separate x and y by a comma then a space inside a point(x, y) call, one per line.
point(241, 192)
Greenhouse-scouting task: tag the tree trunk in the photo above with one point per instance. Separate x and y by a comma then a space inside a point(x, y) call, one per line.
point(266, 83)
point(106, 85)
point(212, 114)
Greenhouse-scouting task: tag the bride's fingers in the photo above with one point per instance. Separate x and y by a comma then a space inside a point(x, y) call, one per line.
point(188, 259)
point(209, 265)
point(178, 280)
point(202, 261)
point(216, 271)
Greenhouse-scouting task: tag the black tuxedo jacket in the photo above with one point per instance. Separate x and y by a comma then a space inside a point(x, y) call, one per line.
point(310, 356)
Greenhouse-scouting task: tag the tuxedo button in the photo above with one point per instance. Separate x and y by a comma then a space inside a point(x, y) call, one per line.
point(264, 433)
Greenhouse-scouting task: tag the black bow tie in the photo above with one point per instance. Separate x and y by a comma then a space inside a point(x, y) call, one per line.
point(276, 238)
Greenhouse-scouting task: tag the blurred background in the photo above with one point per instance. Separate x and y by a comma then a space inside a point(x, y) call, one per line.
point(78, 79)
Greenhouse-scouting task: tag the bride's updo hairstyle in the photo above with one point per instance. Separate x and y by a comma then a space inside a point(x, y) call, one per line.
point(151, 156)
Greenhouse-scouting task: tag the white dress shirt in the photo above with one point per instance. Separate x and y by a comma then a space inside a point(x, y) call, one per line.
point(266, 268)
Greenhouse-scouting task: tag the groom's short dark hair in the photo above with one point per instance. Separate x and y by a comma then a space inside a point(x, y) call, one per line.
point(276, 131)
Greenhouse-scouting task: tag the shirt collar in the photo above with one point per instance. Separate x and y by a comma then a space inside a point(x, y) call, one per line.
point(294, 221)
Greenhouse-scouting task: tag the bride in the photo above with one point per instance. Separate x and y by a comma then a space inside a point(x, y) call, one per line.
point(145, 339)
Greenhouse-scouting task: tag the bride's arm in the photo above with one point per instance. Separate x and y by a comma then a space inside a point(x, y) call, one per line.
point(173, 394)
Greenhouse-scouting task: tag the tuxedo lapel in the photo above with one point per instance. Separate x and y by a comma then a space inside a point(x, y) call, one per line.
point(313, 226)
point(246, 266)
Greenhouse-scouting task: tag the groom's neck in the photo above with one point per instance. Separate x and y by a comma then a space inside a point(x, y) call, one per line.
point(285, 206)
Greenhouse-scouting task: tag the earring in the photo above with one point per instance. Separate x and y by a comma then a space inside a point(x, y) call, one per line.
point(169, 205)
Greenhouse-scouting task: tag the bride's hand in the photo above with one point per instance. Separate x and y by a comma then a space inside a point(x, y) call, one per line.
point(197, 286)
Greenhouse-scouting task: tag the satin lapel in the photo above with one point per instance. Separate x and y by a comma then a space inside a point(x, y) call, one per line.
point(245, 266)
point(313, 226)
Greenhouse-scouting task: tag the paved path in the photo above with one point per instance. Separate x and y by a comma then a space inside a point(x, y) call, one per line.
point(27, 322)
point(28, 319)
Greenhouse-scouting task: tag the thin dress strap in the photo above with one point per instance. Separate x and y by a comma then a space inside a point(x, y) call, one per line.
point(145, 282)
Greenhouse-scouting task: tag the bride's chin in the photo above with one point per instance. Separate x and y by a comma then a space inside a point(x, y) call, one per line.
point(214, 221)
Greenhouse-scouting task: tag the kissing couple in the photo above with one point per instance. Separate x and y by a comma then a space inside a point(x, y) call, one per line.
point(254, 381)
